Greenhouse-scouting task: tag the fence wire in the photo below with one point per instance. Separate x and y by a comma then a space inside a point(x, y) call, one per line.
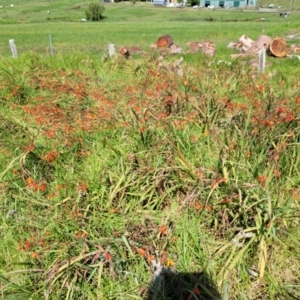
point(54, 50)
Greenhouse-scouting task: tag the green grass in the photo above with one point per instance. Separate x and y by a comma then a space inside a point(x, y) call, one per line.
point(207, 172)
point(94, 38)
point(109, 165)
point(138, 25)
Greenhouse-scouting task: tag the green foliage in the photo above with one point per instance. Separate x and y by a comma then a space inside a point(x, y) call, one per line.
point(70, 36)
point(194, 2)
point(109, 165)
point(105, 169)
point(94, 12)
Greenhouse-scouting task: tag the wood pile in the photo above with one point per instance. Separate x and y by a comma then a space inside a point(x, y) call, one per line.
point(243, 44)
point(247, 46)
point(207, 48)
point(274, 47)
point(165, 45)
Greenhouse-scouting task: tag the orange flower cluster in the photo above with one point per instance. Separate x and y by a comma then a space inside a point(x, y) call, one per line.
point(218, 181)
point(262, 179)
point(51, 156)
point(35, 186)
point(82, 188)
point(163, 230)
point(144, 253)
point(200, 207)
point(164, 260)
point(32, 244)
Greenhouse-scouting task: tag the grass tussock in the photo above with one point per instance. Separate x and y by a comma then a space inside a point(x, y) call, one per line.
point(129, 180)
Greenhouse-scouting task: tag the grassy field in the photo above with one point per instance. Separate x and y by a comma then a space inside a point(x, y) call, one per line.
point(132, 179)
point(131, 25)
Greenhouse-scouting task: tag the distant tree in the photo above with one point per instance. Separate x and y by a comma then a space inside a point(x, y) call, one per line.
point(194, 2)
point(94, 12)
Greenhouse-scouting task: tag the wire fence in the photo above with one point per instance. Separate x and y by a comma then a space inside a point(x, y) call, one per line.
point(13, 49)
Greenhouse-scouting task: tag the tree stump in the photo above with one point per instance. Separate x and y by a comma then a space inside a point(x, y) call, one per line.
point(164, 41)
point(278, 47)
point(124, 51)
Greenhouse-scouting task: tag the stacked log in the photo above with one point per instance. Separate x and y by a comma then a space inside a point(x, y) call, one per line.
point(276, 47)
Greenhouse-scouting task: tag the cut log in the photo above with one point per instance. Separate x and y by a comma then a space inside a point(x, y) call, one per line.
point(164, 41)
point(124, 51)
point(278, 47)
point(245, 43)
point(263, 41)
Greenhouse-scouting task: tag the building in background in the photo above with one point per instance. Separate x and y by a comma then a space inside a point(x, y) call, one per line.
point(227, 3)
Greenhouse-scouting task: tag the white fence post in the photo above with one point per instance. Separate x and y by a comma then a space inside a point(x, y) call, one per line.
point(111, 49)
point(51, 45)
point(13, 48)
point(262, 60)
